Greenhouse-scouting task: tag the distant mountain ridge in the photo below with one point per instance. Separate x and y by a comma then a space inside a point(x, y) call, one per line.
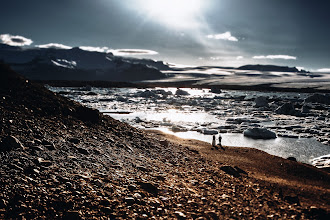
point(82, 65)
point(273, 68)
point(78, 64)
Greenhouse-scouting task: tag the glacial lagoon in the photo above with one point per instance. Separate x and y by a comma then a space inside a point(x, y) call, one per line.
point(197, 113)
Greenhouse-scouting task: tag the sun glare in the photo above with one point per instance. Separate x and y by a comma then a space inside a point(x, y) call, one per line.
point(177, 13)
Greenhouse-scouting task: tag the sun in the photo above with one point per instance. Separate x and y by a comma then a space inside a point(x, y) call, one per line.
point(176, 13)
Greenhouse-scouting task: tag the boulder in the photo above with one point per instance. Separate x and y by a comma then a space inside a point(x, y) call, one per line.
point(180, 92)
point(215, 90)
point(318, 98)
point(286, 109)
point(149, 187)
point(261, 101)
point(259, 133)
point(148, 94)
point(305, 109)
point(10, 143)
point(164, 143)
point(292, 159)
point(209, 132)
point(233, 171)
point(178, 128)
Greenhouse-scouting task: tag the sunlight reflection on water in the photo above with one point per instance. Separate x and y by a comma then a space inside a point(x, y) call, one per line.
point(171, 115)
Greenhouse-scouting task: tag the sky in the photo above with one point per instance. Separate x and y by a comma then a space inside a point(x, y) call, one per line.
point(190, 32)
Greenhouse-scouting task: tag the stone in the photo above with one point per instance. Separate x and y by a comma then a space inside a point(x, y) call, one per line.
point(180, 215)
point(44, 162)
point(286, 109)
point(74, 140)
point(149, 187)
point(129, 200)
point(318, 98)
point(164, 143)
point(82, 151)
point(305, 109)
point(137, 196)
point(10, 143)
point(231, 171)
point(209, 132)
point(209, 182)
point(292, 159)
point(143, 169)
point(261, 101)
point(215, 90)
point(259, 133)
point(148, 94)
point(180, 92)
point(71, 215)
point(49, 145)
point(3, 203)
point(177, 128)
point(292, 199)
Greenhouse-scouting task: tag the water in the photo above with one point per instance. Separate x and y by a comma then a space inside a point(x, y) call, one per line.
point(202, 110)
point(282, 147)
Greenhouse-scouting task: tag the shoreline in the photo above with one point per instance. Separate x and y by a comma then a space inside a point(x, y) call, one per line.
point(309, 162)
point(273, 170)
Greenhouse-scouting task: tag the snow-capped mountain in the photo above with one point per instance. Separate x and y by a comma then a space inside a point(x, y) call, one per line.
point(78, 64)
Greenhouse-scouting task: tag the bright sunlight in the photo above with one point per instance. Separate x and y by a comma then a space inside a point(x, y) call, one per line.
point(175, 13)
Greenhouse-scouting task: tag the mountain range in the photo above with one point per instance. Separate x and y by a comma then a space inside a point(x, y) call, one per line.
point(83, 65)
point(78, 64)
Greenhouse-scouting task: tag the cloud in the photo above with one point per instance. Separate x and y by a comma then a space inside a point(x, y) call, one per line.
point(54, 46)
point(130, 52)
point(324, 70)
point(216, 58)
point(272, 57)
point(224, 36)
point(239, 57)
point(15, 40)
point(95, 49)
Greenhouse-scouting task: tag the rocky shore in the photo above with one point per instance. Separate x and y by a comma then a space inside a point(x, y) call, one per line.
point(60, 160)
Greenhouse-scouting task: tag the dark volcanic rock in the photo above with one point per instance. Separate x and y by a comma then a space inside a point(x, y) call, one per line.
point(286, 109)
point(234, 171)
point(319, 98)
point(261, 101)
point(259, 133)
point(149, 187)
point(10, 143)
point(292, 159)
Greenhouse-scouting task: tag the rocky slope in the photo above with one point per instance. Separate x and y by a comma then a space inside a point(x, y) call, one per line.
point(61, 160)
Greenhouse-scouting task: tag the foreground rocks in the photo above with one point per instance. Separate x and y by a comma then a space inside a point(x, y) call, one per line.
point(59, 162)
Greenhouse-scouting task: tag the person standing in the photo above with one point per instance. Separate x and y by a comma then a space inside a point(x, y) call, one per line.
point(213, 141)
point(220, 138)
